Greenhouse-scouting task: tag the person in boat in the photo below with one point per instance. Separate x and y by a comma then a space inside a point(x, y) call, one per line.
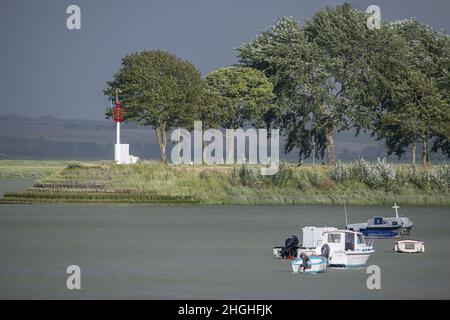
point(305, 261)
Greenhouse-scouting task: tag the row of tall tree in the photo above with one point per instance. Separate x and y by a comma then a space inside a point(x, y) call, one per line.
point(332, 74)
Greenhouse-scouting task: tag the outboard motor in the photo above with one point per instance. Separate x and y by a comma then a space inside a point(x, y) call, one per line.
point(290, 248)
point(325, 250)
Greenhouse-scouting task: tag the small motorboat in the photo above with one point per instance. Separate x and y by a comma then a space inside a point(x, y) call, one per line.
point(377, 227)
point(309, 264)
point(382, 228)
point(409, 246)
point(345, 248)
point(325, 246)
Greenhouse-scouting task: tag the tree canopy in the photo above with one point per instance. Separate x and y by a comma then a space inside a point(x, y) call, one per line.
point(336, 74)
point(245, 94)
point(420, 110)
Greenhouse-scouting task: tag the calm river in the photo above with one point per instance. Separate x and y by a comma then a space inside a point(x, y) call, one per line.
point(195, 252)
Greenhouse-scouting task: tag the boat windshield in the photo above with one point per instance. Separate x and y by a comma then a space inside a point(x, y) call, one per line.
point(360, 239)
point(349, 241)
point(334, 238)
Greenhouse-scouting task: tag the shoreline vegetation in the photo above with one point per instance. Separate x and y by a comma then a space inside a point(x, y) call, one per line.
point(150, 182)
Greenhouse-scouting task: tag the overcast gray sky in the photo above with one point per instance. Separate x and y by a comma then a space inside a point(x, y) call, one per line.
point(47, 69)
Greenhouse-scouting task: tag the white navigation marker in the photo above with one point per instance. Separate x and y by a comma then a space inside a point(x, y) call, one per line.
point(396, 211)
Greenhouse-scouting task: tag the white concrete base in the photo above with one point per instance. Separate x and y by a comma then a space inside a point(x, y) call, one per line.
point(122, 154)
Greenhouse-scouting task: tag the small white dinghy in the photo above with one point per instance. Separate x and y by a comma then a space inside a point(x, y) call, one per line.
point(409, 246)
point(309, 264)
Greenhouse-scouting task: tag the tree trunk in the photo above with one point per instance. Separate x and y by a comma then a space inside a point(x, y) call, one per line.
point(331, 160)
point(161, 136)
point(425, 155)
point(414, 153)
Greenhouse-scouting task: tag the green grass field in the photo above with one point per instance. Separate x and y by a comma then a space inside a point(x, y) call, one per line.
point(152, 182)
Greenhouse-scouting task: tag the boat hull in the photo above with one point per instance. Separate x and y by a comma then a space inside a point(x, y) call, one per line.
point(344, 259)
point(380, 233)
point(316, 264)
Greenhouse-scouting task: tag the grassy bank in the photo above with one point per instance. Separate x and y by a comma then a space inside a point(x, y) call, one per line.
point(10, 169)
point(360, 183)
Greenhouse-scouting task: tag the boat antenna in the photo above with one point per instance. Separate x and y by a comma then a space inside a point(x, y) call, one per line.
point(396, 211)
point(345, 210)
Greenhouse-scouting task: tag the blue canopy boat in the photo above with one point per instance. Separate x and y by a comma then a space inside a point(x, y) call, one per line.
point(380, 227)
point(377, 227)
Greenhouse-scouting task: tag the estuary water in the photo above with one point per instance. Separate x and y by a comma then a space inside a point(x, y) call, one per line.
point(198, 252)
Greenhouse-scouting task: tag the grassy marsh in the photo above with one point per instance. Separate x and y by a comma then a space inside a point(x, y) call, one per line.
point(152, 182)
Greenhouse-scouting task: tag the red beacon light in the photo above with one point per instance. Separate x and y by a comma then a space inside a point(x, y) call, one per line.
point(118, 112)
point(121, 151)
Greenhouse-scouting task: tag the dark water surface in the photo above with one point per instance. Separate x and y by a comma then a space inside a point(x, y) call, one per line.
point(194, 252)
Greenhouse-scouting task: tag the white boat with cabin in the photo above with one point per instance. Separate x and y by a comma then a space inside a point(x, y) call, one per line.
point(347, 248)
point(344, 248)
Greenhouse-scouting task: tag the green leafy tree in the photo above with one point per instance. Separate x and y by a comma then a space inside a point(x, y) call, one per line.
point(331, 75)
point(430, 55)
point(245, 94)
point(245, 97)
point(419, 113)
point(430, 50)
point(159, 90)
point(296, 69)
point(210, 108)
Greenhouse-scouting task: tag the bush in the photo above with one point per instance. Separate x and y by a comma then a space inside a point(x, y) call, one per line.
point(418, 177)
point(440, 177)
point(340, 172)
point(315, 179)
point(380, 174)
point(244, 175)
point(283, 177)
point(436, 177)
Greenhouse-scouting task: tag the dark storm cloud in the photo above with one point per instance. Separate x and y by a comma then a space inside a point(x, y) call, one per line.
point(49, 70)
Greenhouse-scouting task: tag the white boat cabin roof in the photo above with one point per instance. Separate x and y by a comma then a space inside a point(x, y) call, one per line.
point(341, 231)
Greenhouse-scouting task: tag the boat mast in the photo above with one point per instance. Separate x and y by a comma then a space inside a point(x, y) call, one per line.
point(396, 211)
point(346, 220)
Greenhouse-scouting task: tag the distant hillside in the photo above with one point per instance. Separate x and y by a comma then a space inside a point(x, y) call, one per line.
point(51, 138)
